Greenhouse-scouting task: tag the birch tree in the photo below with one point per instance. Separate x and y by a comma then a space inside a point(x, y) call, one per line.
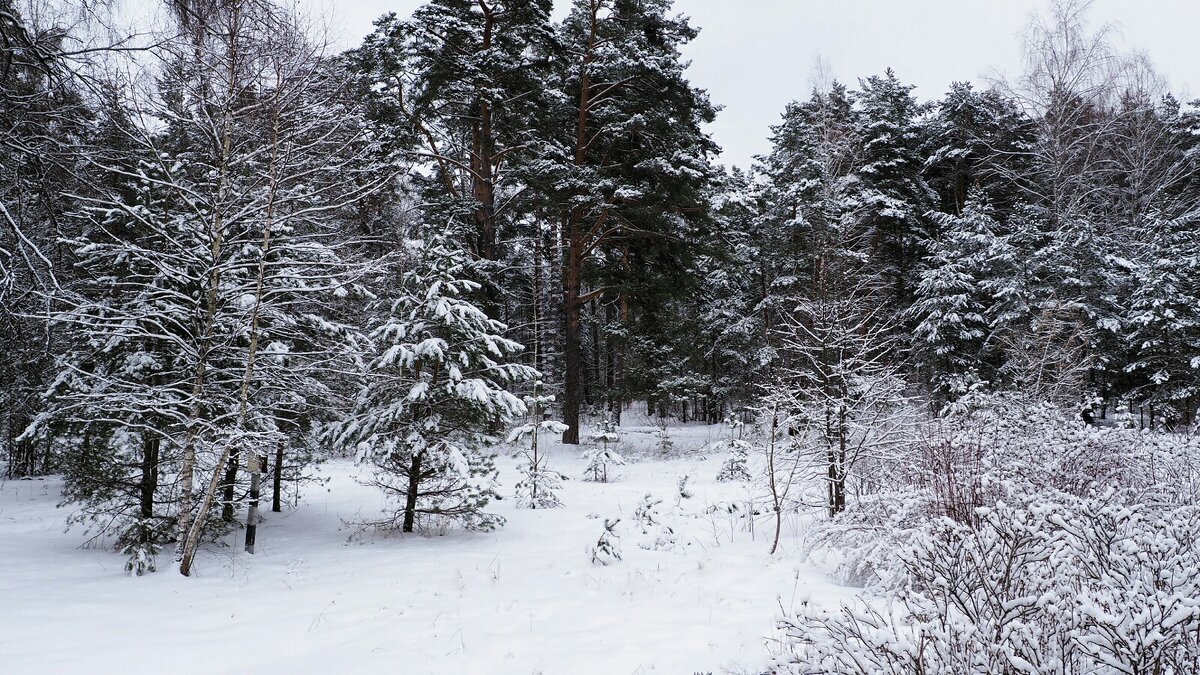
point(203, 319)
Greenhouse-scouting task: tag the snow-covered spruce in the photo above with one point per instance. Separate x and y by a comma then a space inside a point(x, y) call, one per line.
point(736, 465)
point(664, 445)
point(645, 514)
point(436, 385)
point(608, 433)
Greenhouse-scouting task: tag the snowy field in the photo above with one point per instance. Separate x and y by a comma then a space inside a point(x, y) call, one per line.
point(523, 599)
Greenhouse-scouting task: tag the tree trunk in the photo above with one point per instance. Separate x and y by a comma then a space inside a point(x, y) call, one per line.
point(410, 500)
point(483, 149)
point(610, 364)
point(227, 510)
point(772, 478)
point(256, 464)
point(573, 246)
point(572, 361)
point(150, 451)
point(191, 541)
point(277, 481)
point(593, 384)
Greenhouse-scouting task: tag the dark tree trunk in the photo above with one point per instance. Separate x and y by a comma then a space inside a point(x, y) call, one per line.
point(227, 510)
point(277, 481)
point(410, 500)
point(482, 181)
point(572, 359)
point(837, 469)
point(610, 363)
point(150, 452)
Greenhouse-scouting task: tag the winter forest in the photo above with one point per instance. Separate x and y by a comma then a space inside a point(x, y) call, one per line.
point(463, 351)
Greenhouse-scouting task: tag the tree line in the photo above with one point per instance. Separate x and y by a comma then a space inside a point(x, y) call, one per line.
point(228, 251)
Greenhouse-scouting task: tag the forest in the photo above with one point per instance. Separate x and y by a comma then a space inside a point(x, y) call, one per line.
point(484, 278)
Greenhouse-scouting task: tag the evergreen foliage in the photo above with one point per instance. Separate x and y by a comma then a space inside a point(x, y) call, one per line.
point(438, 381)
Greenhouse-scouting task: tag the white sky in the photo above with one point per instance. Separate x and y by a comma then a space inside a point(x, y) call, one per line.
point(753, 56)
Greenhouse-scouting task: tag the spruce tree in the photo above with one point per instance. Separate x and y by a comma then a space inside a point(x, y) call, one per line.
point(438, 381)
point(1164, 321)
point(892, 196)
point(953, 304)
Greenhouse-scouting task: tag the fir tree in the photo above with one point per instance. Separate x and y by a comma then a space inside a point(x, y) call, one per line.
point(736, 464)
point(602, 458)
point(892, 196)
point(1164, 321)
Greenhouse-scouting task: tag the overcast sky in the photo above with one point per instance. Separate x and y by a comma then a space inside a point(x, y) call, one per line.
point(753, 56)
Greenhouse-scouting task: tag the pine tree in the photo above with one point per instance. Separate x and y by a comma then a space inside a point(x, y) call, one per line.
point(438, 381)
point(625, 170)
point(460, 88)
point(539, 485)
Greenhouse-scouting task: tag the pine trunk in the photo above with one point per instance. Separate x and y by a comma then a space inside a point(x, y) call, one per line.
point(572, 358)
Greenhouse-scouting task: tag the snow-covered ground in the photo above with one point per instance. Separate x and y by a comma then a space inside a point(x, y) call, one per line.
point(523, 599)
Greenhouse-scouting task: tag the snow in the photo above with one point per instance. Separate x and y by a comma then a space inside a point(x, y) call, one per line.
point(523, 599)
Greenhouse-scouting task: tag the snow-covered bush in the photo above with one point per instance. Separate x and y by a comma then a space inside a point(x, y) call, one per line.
point(736, 466)
point(682, 491)
point(971, 457)
point(658, 530)
point(607, 434)
point(645, 514)
point(1096, 585)
point(607, 549)
point(1015, 538)
point(599, 463)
